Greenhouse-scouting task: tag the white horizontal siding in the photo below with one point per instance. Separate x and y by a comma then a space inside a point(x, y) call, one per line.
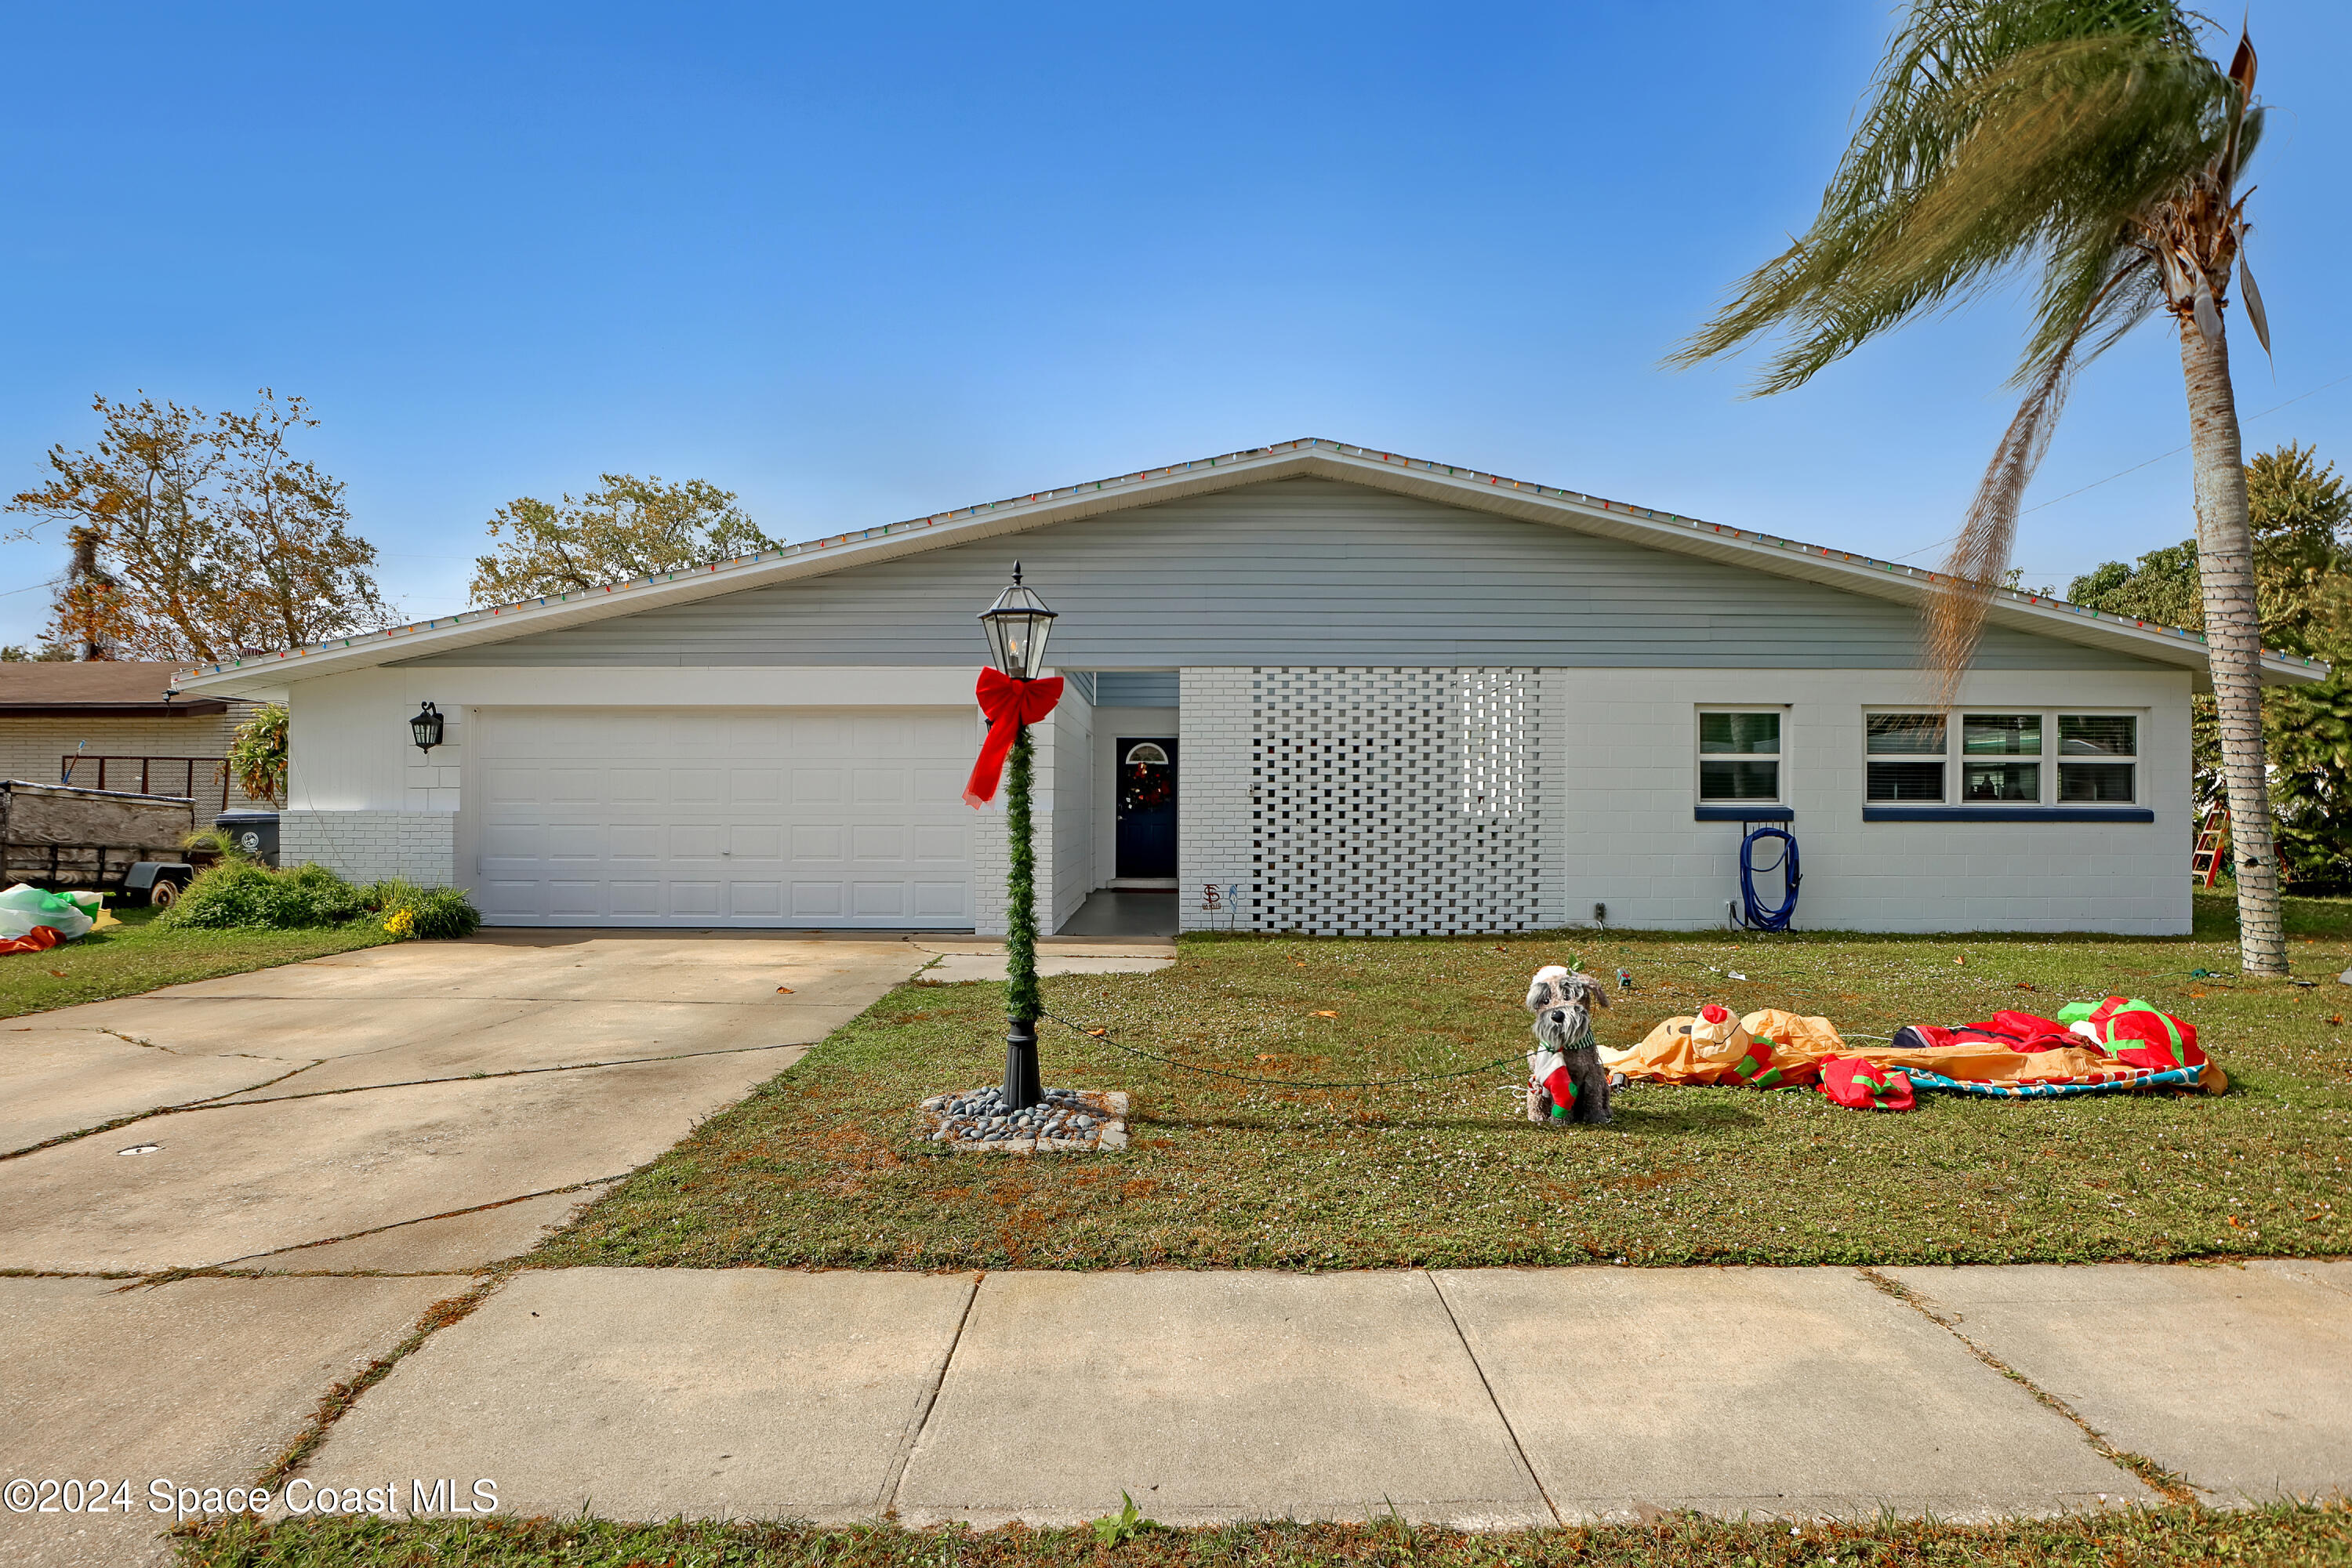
point(1308, 572)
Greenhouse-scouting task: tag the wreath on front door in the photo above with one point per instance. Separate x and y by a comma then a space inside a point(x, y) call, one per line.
point(1145, 786)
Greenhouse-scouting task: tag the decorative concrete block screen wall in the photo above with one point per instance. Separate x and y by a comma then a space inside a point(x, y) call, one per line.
point(1372, 802)
point(368, 845)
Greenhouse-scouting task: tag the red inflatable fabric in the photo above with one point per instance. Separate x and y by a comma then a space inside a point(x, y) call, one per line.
point(1860, 1085)
point(2143, 1035)
point(2024, 1033)
point(40, 939)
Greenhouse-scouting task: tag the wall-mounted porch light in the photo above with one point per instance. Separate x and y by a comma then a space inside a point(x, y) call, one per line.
point(426, 727)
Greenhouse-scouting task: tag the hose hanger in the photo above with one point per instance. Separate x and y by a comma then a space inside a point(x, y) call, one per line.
point(1752, 913)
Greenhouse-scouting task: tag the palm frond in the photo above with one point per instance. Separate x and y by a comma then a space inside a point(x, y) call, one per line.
point(1955, 613)
point(2002, 131)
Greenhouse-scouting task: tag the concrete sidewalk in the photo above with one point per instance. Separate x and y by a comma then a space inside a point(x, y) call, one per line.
point(1478, 1397)
point(1482, 1398)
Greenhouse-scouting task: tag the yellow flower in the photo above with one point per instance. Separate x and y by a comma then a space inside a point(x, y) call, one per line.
point(402, 923)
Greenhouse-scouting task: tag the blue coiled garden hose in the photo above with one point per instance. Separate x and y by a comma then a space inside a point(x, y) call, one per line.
point(1753, 914)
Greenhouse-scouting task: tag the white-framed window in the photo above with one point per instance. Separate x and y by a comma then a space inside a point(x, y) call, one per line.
point(2098, 758)
point(1739, 755)
point(2000, 756)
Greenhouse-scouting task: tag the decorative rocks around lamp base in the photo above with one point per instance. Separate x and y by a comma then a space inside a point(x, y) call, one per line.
point(1069, 1121)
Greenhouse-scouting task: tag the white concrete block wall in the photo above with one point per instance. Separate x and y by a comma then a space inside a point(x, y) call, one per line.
point(1619, 784)
point(988, 841)
point(1214, 828)
point(1551, 775)
point(368, 845)
point(1073, 805)
point(1631, 782)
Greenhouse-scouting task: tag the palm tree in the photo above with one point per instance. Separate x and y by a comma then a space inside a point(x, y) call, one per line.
point(2095, 142)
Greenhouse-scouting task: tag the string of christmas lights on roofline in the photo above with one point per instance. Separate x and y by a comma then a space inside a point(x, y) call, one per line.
point(960, 514)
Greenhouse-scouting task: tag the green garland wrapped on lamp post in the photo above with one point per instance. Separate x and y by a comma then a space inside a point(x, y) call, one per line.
point(1017, 626)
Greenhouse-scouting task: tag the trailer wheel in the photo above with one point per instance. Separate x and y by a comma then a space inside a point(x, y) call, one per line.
point(163, 894)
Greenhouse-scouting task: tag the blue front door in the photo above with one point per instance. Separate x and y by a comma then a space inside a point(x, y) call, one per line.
point(1146, 807)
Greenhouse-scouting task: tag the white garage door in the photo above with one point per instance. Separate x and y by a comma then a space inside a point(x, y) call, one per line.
point(725, 817)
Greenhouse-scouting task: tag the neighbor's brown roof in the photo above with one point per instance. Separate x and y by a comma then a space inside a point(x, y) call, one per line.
point(96, 688)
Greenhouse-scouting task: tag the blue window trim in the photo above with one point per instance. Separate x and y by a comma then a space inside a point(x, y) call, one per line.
point(1742, 814)
point(2006, 814)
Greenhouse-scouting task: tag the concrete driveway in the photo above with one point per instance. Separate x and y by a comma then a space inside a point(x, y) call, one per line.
point(391, 1118)
point(394, 1095)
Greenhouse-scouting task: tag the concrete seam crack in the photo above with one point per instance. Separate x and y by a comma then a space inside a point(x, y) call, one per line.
point(206, 1103)
point(169, 1275)
point(337, 1402)
point(222, 1104)
point(2170, 1485)
point(1519, 1449)
point(886, 1504)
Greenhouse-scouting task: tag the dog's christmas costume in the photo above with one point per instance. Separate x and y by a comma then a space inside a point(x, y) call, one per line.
point(1551, 1092)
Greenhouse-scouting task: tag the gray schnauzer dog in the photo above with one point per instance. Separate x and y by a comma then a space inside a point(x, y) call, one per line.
point(1566, 1082)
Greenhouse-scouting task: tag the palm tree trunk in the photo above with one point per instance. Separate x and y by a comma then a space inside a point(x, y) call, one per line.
point(2233, 641)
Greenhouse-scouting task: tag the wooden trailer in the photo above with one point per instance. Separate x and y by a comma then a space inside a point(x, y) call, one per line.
point(56, 835)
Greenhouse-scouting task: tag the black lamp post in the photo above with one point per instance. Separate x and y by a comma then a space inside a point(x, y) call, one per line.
point(1017, 626)
point(426, 727)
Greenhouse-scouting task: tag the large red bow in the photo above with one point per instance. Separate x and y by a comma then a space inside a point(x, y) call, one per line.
point(1008, 704)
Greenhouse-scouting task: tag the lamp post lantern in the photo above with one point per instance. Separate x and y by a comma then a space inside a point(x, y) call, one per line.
point(1017, 626)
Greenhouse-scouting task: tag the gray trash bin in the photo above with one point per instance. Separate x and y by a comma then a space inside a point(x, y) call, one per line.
point(252, 832)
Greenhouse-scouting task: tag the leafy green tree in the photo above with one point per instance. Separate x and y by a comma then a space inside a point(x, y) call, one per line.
point(631, 528)
point(2095, 143)
point(2300, 516)
point(2162, 587)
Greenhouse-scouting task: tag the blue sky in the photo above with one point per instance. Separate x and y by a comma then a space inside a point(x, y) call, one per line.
point(863, 263)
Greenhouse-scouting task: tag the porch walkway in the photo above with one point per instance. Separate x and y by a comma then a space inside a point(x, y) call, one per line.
point(1116, 912)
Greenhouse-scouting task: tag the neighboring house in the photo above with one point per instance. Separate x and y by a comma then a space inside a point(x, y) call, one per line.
point(123, 728)
point(1379, 696)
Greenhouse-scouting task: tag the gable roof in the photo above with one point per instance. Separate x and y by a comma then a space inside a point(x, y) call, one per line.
point(1440, 482)
point(95, 688)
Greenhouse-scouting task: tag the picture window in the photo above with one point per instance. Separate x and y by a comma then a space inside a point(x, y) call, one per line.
point(1927, 758)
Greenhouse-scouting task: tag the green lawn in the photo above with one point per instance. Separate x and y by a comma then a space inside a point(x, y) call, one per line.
point(2282, 1533)
point(824, 1166)
point(137, 955)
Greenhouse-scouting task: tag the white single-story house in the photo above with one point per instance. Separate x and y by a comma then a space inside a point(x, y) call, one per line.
point(1350, 692)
